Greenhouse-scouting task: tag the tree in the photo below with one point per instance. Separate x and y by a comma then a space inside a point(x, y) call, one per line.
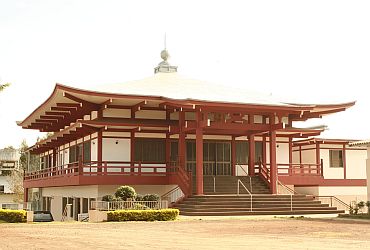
point(15, 179)
point(3, 86)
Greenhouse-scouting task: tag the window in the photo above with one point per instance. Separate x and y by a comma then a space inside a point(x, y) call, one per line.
point(150, 150)
point(242, 151)
point(258, 151)
point(87, 152)
point(174, 151)
point(336, 158)
point(1, 189)
point(72, 154)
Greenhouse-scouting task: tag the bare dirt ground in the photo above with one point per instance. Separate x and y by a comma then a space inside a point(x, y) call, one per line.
point(191, 233)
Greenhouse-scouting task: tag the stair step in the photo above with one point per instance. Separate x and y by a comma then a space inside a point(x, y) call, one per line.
point(236, 213)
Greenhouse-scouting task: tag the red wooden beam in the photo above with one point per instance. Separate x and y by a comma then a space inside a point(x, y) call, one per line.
point(73, 105)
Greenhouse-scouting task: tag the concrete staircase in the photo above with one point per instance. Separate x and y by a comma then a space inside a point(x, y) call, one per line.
point(229, 185)
point(262, 204)
point(226, 202)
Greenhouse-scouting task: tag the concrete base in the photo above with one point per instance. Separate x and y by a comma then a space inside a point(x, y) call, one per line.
point(98, 216)
point(29, 216)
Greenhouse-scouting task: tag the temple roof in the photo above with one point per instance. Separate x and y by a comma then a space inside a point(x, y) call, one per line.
point(175, 86)
point(166, 88)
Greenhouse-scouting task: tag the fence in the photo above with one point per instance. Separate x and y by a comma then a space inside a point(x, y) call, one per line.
point(128, 205)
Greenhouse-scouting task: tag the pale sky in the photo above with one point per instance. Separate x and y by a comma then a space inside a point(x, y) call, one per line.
point(302, 51)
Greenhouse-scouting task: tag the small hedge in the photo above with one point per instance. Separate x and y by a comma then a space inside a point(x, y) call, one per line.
point(143, 215)
point(12, 216)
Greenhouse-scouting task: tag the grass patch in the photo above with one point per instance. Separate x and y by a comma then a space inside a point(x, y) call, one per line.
point(355, 216)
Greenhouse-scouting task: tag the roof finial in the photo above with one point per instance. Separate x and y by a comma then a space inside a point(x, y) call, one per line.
point(164, 66)
point(165, 47)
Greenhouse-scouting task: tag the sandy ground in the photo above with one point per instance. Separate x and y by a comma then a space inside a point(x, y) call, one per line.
point(191, 233)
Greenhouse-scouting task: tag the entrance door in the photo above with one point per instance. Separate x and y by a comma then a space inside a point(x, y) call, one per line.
point(216, 157)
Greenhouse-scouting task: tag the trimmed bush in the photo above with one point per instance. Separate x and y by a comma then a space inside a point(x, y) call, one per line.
point(139, 197)
point(125, 192)
point(108, 197)
point(151, 197)
point(143, 215)
point(12, 216)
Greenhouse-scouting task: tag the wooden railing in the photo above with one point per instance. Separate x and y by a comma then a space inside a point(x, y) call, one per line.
point(95, 168)
point(118, 168)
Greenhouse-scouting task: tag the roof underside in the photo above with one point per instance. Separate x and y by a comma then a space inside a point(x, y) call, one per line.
point(163, 91)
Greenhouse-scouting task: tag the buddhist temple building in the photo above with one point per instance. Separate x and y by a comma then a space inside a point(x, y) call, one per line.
point(169, 132)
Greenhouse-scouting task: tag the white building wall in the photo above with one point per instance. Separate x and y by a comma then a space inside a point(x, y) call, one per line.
point(94, 149)
point(116, 149)
point(355, 164)
point(344, 193)
point(93, 192)
point(330, 173)
point(368, 172)
point(309, 156)
point(4, 182)
point(282, 153)
point(295, 157)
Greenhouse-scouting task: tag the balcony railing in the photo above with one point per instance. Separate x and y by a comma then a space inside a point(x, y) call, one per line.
point(110, 168)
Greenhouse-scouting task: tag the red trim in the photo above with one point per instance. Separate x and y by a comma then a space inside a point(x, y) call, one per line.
point(233, 156)
point(273, 166)
point(344, 158)
point(290, 150)
point(318, 157)
point(251, 160)
point(199, 161)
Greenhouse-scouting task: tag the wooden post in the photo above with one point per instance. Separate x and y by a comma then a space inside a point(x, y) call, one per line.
point(182, 141)
point(132, 151)
point(273, 166)
point(290, 152)
point(318, 158)
point(233, 156)
point(199, 156)
point(251, 160)
point(344, 162)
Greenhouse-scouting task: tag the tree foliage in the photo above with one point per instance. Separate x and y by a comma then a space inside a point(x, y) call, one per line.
point(3, 86)
point(15, 179)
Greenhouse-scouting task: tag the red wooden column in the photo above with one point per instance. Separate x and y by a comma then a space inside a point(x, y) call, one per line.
point(182, 141)
point(318, 157)
point(273, 166)
point(132, 149)
point(344, 162)
point(233, 156)
point(251, 160)
point(100, 141)
point(54, 157)
point(199, 155)
point(25, 198)
point(168, 142)
point(168, 150)
point(290, 152)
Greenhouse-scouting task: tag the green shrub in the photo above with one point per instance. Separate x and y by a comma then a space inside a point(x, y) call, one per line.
point(125, 192)
point(12, 216)
point(139, 197)
point(143, 215)
point(151, 197)
point(108, 197)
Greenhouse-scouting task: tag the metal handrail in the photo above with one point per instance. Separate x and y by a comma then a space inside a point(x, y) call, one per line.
point(250, 194)
point(292, 192)
point(345, 205)
point(174, 195)
point(214, 184)
point(250, 178)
